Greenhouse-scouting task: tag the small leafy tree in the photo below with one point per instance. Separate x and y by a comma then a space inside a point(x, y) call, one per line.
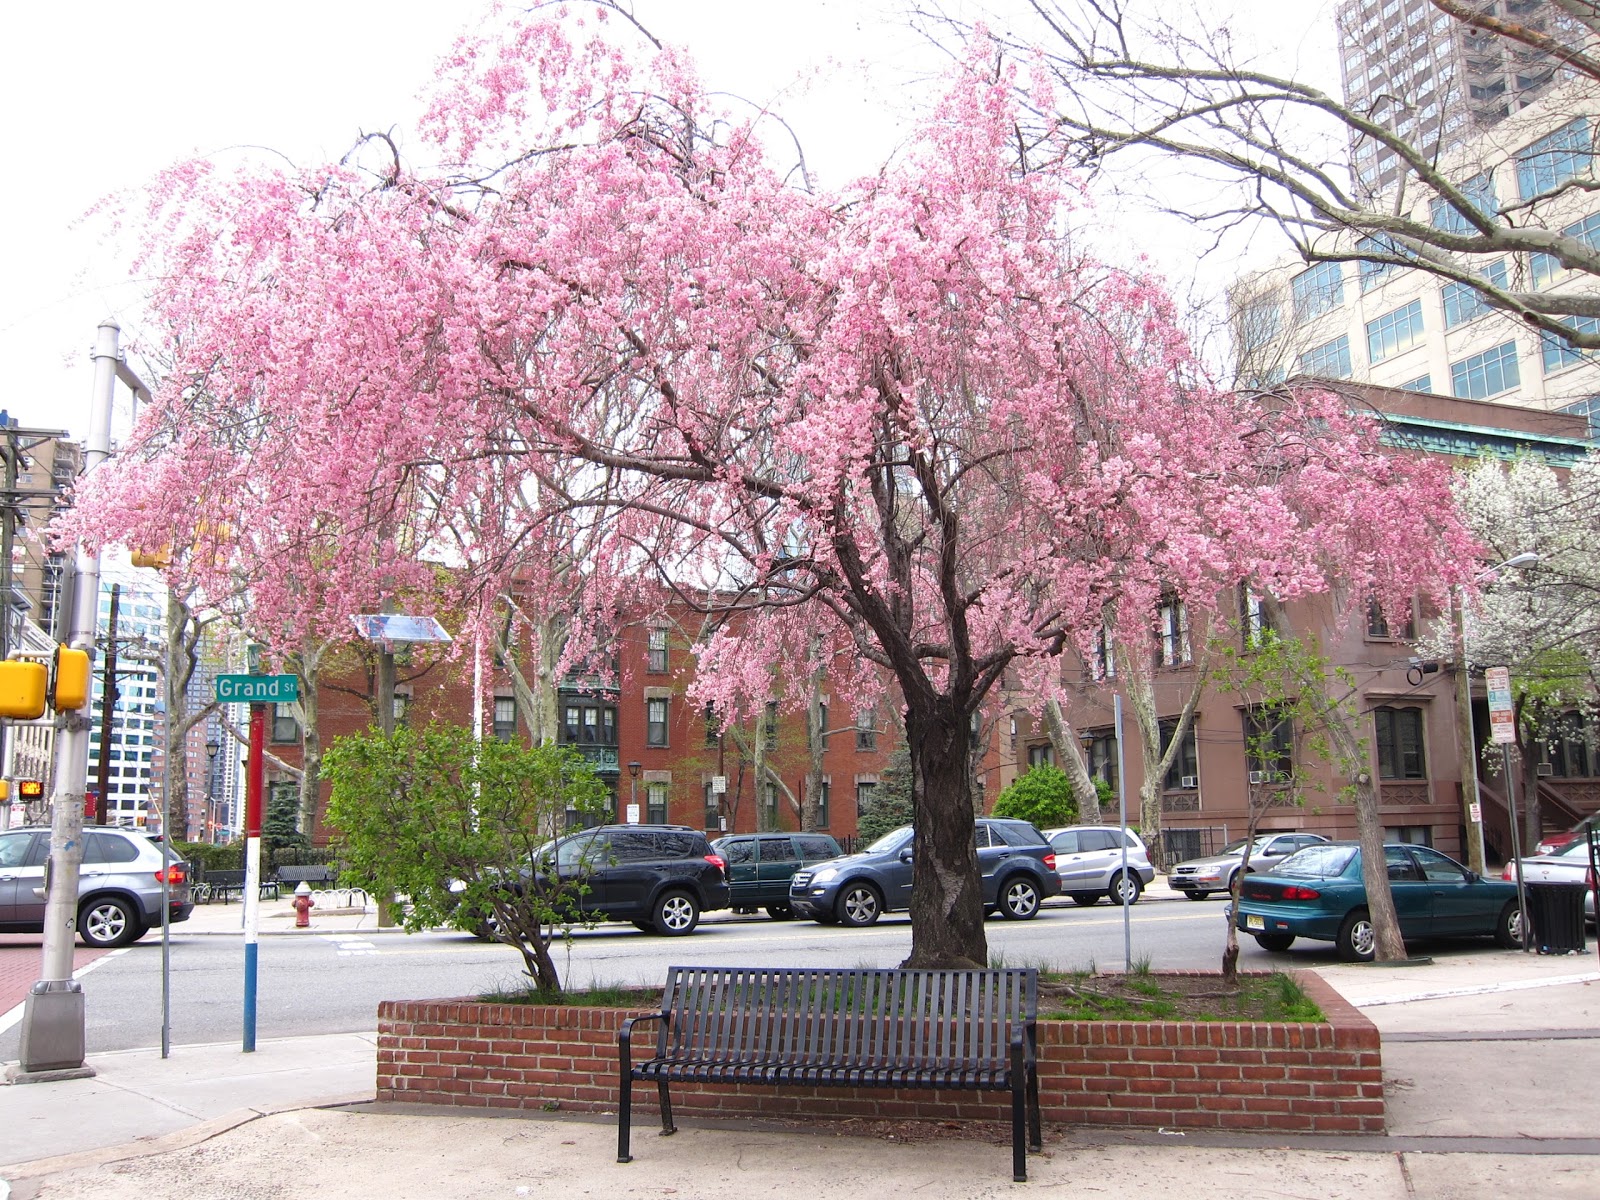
point(280, 828)
point(451, 822)
point(1043, 796)
point(890, 806)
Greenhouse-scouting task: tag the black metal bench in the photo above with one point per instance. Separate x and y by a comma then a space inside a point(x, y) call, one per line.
point(312, 874)
point(225, 885)
point(868, 1028)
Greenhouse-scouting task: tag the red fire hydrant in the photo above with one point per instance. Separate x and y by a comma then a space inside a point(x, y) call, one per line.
point(303, 904)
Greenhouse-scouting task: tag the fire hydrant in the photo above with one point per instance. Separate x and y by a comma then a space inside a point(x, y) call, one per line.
point(303, 904)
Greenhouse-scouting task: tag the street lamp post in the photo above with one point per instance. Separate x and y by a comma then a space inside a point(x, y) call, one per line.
point(1466, 739)
point(633, 787)
point(212, 747)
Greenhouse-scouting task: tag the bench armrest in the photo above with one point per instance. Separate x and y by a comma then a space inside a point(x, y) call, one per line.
point(625, 1036)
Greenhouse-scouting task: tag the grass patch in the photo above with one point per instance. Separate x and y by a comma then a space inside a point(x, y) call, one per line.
point(1145, 996)
point(610, 996)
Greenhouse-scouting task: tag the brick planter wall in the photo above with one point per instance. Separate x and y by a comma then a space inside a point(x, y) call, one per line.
point(1299, 1078)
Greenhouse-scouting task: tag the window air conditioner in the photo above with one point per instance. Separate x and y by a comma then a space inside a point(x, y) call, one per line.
point(1258, 776)
point(1189, 782)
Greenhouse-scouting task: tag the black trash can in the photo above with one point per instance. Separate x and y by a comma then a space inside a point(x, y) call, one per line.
point(1555, 916)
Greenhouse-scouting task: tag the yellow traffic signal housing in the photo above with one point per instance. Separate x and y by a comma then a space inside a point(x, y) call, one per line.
point(23, 687)
point(160, 559)
point(69, 683)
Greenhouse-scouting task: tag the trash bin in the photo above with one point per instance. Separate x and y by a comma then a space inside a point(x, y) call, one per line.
point(1555, 916)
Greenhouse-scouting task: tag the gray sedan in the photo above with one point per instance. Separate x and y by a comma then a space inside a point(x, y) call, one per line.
point(1570, 864)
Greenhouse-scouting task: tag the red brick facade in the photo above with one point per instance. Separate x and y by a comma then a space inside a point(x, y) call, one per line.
point(1284, 1078)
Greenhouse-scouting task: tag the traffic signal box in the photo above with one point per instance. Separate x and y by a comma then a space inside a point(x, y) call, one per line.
point(28, 687)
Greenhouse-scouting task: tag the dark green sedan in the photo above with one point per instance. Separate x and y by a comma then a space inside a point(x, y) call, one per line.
point(1318, 894)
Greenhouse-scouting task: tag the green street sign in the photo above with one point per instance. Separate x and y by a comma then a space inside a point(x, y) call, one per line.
point(257, 689)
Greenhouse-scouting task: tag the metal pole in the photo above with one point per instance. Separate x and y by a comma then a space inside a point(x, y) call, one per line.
point(1516, 843)
point(255, 782)
point(108, 704)
point(1122, 817)
point(53, 1020)
point(1466, 739)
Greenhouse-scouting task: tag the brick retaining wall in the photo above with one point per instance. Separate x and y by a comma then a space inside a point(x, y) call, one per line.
point(1299, 1078)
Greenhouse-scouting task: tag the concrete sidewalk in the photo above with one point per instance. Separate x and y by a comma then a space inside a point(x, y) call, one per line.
point(1490, 1058)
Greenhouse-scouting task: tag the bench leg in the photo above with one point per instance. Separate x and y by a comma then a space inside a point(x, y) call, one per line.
point(1035, 1132)
point(1019, 1152)
point(624, 1115)
point(667, 1127)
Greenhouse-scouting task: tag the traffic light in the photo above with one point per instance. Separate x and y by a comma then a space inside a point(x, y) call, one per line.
point(160, 559)
point(30, 789)
point(23, 689)
point(69, 679)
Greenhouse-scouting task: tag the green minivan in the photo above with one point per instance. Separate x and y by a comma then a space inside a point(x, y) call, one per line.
point(759, 865)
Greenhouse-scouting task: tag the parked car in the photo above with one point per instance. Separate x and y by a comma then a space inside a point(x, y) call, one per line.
point(659, 877)
point(1089, 863)
point(119, 884)
point(1553, 842)
point(1199, 877)
point(1319, 894)
point(760, 865)
point(1017, 864)
point(1569, 864)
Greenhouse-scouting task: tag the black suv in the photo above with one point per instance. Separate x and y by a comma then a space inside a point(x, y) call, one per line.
point(1017, 864)
point(660, 877)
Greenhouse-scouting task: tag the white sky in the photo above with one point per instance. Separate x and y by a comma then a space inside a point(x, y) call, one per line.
point(100, 95)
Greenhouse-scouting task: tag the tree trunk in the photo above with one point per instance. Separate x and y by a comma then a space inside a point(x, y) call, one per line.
point(307, 666)
point(946, 891)
point(1064, 741)
point(816, 748)
point(1391, 947)
point(1140, 691)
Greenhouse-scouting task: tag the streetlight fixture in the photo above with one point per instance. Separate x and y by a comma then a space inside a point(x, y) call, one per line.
point(213, 746)
point(633, 787)
point(1465, 736)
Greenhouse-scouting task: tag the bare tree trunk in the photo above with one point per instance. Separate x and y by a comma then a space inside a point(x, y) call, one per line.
point(1140, 690)
point(182, 660)
point(946, 891)
point(816, 748)
point(1064, 741)
point(307, 666)
point(1390, 947)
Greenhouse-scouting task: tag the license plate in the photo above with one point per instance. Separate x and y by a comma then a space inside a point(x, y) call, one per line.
point(1254, 922)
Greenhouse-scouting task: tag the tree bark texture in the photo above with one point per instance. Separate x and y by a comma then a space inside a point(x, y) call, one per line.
point(1064, 741)
point(946, 891)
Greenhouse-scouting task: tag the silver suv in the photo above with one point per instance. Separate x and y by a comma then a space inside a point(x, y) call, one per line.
point(119, 884)
point(1089, 861)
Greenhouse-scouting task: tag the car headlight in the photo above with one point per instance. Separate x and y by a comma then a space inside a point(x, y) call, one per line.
point(826, 875)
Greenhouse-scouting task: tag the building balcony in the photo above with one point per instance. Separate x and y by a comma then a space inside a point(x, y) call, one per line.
point(603, 759)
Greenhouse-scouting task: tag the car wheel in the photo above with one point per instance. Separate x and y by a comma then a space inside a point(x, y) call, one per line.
point(1125, 889)
point(1508, 927)
point(1197, 895)
point(1275, 941)
point(109, 921)
point(1019, 898)
point(1357, 940)
point(676, 914)
point(779, 912)
point(1087, 899)
point(859, 904)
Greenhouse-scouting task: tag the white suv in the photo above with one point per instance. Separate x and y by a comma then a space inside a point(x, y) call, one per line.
point(119, 884)
point(1089, 860)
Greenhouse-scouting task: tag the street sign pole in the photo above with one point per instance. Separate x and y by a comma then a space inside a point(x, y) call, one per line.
point(255, 781)
point(1503, 729)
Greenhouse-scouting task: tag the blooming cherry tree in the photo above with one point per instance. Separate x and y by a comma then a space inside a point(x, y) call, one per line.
point(910, 424)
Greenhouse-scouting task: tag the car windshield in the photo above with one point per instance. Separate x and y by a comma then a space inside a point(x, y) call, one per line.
point(889, 841)
point(1316, 862)
point(1238, 847)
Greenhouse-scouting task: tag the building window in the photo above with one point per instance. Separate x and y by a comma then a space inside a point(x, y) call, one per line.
point(402, 707)
point(823, 817)
point(821, 729)
point(769, 732)
point(1589, 409)
point(656, 662)
point(589, 724)
point(505, 717)
point(1256, 622)
point(655, 803)
point(1172, 633)
point(655, 718)
point(866, 729)
point(284, 727)
point(1422, 383)
point(1557, 353)
point(1102, 757)
point(1259, 322)
point(1331, 360)
point(1374, 273)
point(1463, 302)
point(1546, 268)
point(712, 807)
point(1555, 158)
point(865, 790)
point(713, 727)
point(1411, 835)
point(1487, 374)
point(1316, 291)
point(1269, 744)
point(1183, 774)
point(1478, 192)
point(1041, 755)
point(1394, 331)
point(1378, 625)
point(1569, 751)
point(1399, 742)
point(1103, 661)
point(769, 806)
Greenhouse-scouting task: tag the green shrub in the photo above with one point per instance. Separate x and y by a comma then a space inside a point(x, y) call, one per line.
point(1042, 796)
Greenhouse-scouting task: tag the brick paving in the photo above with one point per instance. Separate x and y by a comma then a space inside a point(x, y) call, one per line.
point(20, 959)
